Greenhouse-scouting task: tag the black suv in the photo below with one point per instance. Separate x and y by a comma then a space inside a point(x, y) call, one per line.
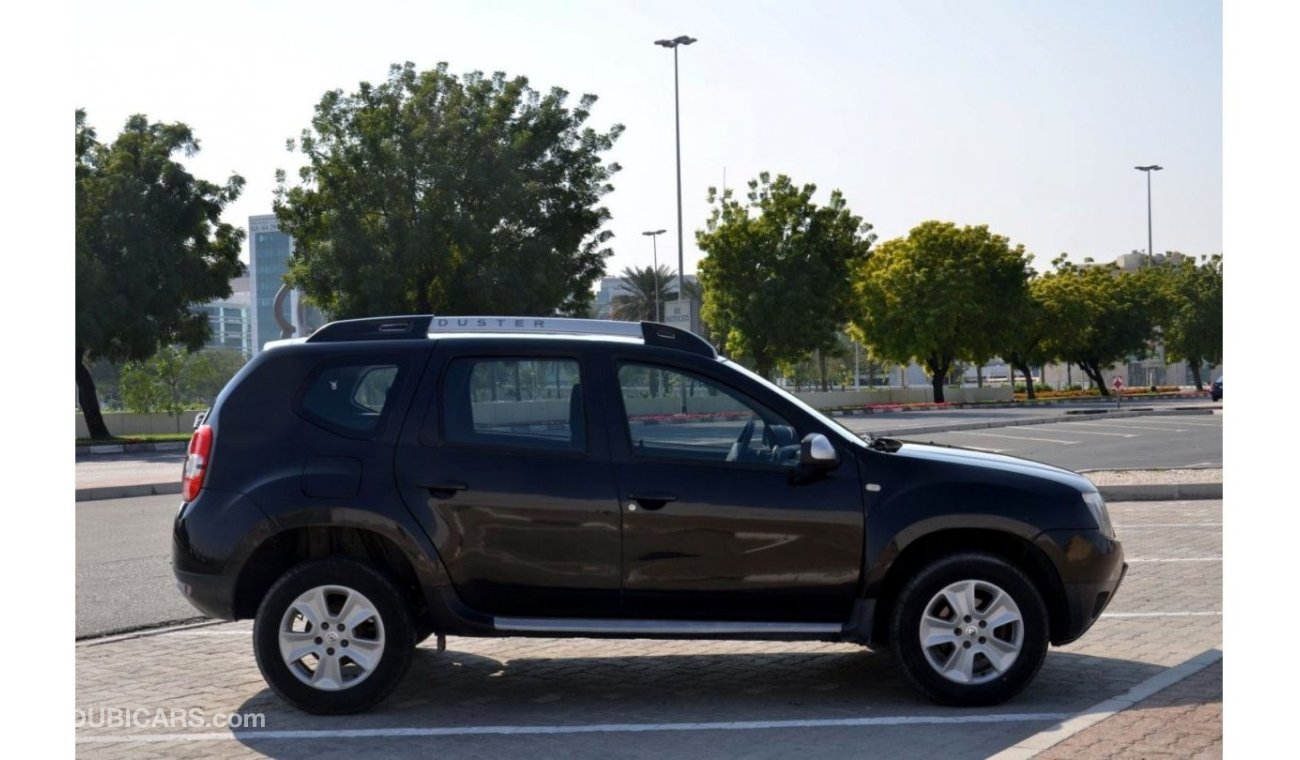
point(386, 480)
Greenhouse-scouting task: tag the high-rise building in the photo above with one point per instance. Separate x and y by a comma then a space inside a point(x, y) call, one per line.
point(229, 320)
point(269, 252)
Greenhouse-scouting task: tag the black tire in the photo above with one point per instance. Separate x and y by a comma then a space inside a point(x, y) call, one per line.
point(393, 620)
point(922, 592)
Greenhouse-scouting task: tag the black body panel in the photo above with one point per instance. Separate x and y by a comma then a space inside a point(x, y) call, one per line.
point(483, 531)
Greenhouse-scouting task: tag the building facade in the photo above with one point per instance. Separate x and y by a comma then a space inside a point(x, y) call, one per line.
point(269, 250)
point(230, 320)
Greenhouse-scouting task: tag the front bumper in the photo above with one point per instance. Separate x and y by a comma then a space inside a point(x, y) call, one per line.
point(1091, 567)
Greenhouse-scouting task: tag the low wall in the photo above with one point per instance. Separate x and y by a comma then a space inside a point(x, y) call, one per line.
point(130, 423)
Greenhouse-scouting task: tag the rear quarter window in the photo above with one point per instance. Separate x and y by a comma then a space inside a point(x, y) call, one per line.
point(351, 397)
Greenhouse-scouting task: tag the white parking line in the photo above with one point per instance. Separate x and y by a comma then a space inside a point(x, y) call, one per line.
point(1134, 526)
point(1127, 427)
point(1160, 614)
point(1176, 559)
point(1094, 432)
point(1017, 437)
point(1181, 422)
point(600, 728)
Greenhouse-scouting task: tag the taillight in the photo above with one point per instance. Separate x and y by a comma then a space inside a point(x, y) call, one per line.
point(196, 462)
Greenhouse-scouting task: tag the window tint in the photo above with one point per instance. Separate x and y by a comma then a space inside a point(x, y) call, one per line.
point(350, 397)
point(673, 414)
point(514, 402)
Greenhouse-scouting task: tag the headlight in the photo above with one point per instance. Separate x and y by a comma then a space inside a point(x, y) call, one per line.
point(1097, 506)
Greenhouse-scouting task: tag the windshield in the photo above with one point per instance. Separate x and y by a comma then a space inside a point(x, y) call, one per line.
point(844, 432)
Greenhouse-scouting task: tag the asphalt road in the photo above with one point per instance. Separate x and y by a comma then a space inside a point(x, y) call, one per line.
point(1147, 442)
point(124, 574)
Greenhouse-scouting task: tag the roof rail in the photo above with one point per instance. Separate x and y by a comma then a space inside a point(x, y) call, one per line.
point(374, 328)
point(653, 333)
point(414, 326)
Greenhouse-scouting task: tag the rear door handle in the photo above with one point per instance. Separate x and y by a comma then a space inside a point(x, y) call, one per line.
point(444, 490)
point(652, 501)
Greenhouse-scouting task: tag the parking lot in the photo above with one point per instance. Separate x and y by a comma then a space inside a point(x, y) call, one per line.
point(1148, 441)
point(589, 698)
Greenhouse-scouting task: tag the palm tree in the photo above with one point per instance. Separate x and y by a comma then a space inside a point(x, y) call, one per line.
point(638, 303)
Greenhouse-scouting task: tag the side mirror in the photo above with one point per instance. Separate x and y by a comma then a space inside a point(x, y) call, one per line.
point(816, 451)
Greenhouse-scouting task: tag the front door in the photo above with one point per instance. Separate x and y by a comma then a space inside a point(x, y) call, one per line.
point(720, 522)
point(514, 486)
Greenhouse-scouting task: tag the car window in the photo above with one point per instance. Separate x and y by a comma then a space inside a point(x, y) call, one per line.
point(679, 415)
point(514, 402)
point(349, 397)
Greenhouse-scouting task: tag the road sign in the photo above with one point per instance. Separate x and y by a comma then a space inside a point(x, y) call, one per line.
point(1117, 384)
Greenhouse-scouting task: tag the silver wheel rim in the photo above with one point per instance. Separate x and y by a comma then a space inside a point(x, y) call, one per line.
point(972, 632)
point(331, 638)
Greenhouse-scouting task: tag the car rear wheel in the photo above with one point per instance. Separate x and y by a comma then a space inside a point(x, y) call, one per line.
point(970, 629)
point(333, 636)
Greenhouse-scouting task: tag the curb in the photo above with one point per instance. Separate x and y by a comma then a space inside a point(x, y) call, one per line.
point(1099, 712)
point(129, 491)
point(1106, 413)
point(1162, 492)
point(130, 448)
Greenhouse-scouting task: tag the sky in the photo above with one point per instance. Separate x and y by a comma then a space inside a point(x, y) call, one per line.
point(1025, 116)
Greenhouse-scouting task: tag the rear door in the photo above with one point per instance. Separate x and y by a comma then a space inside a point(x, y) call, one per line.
point(509, 470)
point(720, 522)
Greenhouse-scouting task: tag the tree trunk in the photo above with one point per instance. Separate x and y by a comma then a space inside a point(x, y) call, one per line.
point(1093, 372)
point(821, 369)
point(1029, 380)
point(1196, 374)
point(979, 376)
point(939, 376)
point(90, 402)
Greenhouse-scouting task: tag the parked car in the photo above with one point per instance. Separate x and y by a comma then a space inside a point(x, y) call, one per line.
point(387, 480)
point(1216, 389)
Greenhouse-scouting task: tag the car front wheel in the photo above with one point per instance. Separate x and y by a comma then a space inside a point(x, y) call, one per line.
point(333, 636)
point(970, 629)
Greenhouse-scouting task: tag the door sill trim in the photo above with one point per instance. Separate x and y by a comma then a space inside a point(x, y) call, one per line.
point(683, 628)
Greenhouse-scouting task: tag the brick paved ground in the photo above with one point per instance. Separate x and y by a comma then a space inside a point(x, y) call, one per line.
point(1183, 721)
point(581, 682)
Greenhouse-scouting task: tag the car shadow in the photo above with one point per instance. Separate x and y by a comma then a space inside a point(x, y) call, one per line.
point(490, 696)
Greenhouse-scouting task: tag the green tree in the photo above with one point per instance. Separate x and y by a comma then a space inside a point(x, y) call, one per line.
point(149, 244)
point(1193, 329)
point(776, 276)
point(939, 295)
point(1027, 345)
point(169, 381)
point(434, 193)
point(225, 363)
point(644, 283)
point(1101, 315)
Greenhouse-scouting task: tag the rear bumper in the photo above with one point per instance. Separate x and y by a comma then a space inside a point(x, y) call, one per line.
point(207, 542)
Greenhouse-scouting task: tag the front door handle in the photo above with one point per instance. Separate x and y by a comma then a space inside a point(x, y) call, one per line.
point(445, 489)
point(652, 500)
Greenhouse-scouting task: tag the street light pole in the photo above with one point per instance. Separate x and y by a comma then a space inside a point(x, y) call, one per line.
point(677, 119)
point(1147, 170)
point(654, 245)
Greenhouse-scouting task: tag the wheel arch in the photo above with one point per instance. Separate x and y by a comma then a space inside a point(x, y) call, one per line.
point(927, 548)
point(307, 536)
